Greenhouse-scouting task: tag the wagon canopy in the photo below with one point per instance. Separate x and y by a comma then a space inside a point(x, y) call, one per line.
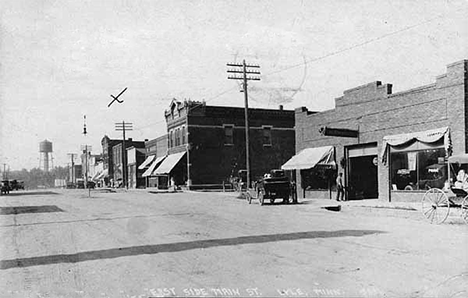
point(461, 158)
point(311, 157)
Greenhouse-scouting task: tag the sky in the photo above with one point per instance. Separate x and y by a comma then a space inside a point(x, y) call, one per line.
point(61, 60)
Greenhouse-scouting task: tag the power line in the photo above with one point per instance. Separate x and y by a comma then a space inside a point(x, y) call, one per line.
point(358, 45)
point(247, 75)
point(123, 127)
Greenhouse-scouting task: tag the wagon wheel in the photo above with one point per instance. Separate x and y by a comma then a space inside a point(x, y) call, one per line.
point(248, 197)
point(261, 197)
point(464, 209)
point(435, 206)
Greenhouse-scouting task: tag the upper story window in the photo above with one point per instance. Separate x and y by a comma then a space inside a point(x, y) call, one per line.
point(177, 137)
point(183, 134)
point(267, 136)
point(228, 135)
point(171, 139)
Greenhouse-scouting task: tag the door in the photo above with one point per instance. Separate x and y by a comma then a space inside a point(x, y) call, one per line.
point(362, 180)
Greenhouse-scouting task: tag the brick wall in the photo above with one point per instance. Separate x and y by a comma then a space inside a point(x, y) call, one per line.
point(375, 112)
point(213, 162)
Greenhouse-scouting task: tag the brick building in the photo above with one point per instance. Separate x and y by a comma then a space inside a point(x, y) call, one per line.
point(118, 160)
point(212, 140)
point(156, 151)
point(135, 157)
point(388, 145)
point(107, 157)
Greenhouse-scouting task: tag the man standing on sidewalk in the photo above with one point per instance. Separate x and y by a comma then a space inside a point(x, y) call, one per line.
point(339, 187)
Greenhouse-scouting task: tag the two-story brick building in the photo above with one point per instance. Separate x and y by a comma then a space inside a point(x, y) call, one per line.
point(211, 140)
point(386, 144)
point(119, 159)
point(107, 158)
point(135, 157)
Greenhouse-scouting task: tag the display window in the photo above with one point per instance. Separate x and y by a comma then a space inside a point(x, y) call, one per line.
point(418, 169)
point(318, 178)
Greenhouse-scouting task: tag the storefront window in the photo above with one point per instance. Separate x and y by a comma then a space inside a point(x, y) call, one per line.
point(418, 170)
point(318, 178)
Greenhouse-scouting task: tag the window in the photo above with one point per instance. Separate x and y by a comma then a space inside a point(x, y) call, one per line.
point(177, 137)
point(418, 170)
point(171, 139)
point(183, 134)
point(266, 136)
point(318, 178)
point(228, 135)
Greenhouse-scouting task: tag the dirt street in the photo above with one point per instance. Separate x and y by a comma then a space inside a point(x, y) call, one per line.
point(140, 244)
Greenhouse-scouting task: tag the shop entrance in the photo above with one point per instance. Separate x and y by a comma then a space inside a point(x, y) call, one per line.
point(362, 172)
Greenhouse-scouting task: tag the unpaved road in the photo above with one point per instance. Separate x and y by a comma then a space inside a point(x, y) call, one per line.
point(138, 244)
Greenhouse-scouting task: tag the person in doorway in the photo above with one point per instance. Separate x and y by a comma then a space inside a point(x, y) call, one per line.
point(339, 188)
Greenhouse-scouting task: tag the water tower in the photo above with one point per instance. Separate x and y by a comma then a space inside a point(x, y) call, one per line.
point(45, 151)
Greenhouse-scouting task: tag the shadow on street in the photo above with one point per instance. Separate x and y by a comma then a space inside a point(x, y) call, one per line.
point(32, 193)
point(176, 247)
point(29, 209)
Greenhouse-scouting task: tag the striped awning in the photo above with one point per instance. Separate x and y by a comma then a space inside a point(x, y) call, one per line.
point(149, 171)
point(147, 161)
point(311, 157)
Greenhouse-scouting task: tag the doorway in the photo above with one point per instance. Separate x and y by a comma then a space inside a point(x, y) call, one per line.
point(362, 172)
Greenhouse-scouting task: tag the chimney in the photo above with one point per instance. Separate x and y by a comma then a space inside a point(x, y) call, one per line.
point(281, 107)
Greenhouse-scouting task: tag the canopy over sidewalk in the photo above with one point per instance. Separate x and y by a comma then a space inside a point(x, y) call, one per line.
point(311, 157)
point(149, 171)
point(147, 161)
point(168, 164)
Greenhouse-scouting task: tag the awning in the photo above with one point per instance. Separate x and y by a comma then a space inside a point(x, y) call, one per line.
point(149, 171)
point(311, 157)
point(428, 136)
point(146, 162)
point(168, 164)
point(96, 175)
point(103, 175)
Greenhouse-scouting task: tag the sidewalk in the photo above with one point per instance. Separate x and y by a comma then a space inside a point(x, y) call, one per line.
point(368, 203)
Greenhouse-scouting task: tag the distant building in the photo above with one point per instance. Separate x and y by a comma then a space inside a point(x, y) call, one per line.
point(89, 165)
point(211, 139)
point(107, 156)
point(135, 157)
point(118, 159)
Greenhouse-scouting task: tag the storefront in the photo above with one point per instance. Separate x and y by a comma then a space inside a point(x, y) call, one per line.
point(152, 180)
point(417, 161)
point(390, 146)
point(361, 171)
point(316, 168)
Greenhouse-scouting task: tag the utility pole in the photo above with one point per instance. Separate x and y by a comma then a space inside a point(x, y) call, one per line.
point(124, 126)
point(5, 177)
point(72, 172)
point(86, 157)
point(188, 147)
point(246, 76)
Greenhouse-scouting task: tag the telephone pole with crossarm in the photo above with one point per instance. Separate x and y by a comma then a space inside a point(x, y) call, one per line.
point(244, 69)
point(123, 127)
